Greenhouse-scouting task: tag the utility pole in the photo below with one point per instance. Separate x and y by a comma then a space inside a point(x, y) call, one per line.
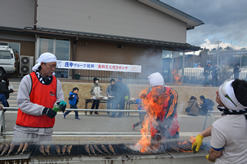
point(218, 54)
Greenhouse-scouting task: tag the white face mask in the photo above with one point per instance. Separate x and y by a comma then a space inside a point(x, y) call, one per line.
point(96, 81)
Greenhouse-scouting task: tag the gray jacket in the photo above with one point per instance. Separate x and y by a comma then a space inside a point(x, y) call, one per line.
point(23, 102)
point(109, 90)
point(95, 90)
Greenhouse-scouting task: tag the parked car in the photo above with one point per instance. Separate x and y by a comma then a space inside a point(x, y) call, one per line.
point(7, 60)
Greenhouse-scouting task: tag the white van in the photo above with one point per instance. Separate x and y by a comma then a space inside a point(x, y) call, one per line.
point(7, 60)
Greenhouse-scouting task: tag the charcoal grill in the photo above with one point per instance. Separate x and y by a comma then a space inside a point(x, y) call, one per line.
point(122, 152)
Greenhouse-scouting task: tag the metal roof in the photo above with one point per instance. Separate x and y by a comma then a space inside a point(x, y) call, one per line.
point(120, 39)
point(190, 21)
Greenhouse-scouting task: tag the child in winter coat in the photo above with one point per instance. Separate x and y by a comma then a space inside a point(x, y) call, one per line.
point(73, 100)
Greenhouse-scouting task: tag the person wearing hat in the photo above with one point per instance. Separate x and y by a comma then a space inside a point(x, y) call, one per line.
point(228, 133)
point(206, 105)
point(95, 92)
point(40, 95)
point(73, 100)
point(160, 103)
point(110, 94)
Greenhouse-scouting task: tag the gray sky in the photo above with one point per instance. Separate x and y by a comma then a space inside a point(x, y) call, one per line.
point(225, 20)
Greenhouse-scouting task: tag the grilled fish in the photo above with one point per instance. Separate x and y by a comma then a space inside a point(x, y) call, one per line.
point(42, 149)
point(20, 148)
point(11, 148)
point(24, 148)
point(47, 149)
point(1, 147)
point(96, 148)
point(64, 149)
point(87, 149)
point(6, 148)
point(58, 150)
point(111, 148)
point(69, 149)
point(92, 149)
point(105, 149)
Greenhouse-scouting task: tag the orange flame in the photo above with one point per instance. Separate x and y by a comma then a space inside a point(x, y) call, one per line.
point(145, 141)
point(153, 104)
point(176, 77)
point(192, 139)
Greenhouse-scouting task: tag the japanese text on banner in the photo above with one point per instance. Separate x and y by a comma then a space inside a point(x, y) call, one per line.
point(98, 66)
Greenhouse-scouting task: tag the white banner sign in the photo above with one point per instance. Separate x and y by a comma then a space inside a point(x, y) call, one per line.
point(98, 66)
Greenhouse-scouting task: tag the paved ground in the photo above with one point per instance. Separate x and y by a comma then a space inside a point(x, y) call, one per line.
point(103, 123)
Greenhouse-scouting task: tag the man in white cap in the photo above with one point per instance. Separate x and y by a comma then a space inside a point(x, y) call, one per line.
point(38, 95)
point(229, 133)
point(160, 102)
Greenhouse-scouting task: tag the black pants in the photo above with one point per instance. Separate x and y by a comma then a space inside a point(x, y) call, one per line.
point(95, 105)
point(141, 117)
point(214, 81)
point(72, 107)
point(206, 81)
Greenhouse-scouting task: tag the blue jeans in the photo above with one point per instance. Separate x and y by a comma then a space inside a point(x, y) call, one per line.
point(4, 100)
point(118, 103)
point(109, 106)
point(72, 107)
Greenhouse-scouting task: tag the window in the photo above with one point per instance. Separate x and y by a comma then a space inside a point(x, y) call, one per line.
point(60, 48)
point(5, 54)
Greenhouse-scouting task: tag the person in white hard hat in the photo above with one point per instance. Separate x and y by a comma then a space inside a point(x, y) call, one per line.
point(228, 133)
point(38, 93)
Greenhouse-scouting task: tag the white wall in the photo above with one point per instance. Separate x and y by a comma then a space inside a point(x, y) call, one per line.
point(114, 17)
point(17, 13)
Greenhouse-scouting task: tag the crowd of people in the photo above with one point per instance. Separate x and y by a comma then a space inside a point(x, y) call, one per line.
point(214, 70)
point(117, 93)
point(40, 97)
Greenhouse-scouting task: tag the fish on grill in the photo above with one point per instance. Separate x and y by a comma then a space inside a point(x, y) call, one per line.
point(64, 149)
point(42, 149)
point(111, 148)
point(11, 148)
point(58, 150)
point(96, 148)
point(105, 149)
point(87, 149)
point(1, 147)
point(20, 148)
point(5, 150)
point(69, 149)
point(92, 149)
point(47, 149)
point(24, 148)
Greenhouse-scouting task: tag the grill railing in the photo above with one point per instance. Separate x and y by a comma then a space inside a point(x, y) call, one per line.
point(3, 132)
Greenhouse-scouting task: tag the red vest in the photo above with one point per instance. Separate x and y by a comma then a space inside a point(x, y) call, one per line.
point(41, 94)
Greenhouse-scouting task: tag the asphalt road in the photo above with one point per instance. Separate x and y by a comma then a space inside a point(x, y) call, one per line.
point(103, 123)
